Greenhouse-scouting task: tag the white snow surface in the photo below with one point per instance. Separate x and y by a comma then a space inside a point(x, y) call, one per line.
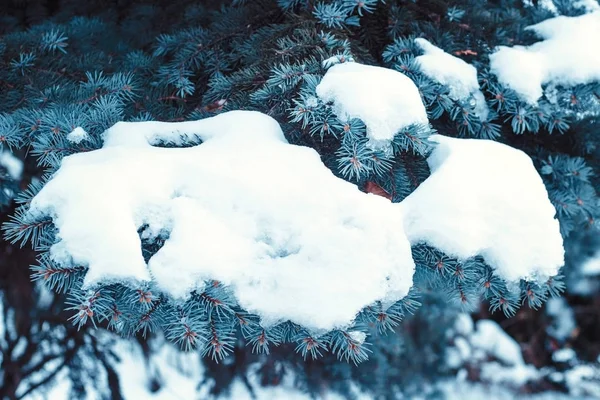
point(587, 5)
point(13, 166)
point(497, 355)
point(77, 135)
point(543, 4)
point(486, 198)
point(563, 322)
point(358, 336)
point(564, 355)
point(244, 207)
point(563, 57)
point(267, 218)
point(387, 101)
point(591, 267)
point(459, 76)
point(491, 338)
point(464, 390)
point(180, 375)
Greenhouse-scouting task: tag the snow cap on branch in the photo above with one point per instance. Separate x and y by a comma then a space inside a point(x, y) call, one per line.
point(564, 57)
point(387, 101)
point(77, 135)
point(246, 208)
point(486, 198)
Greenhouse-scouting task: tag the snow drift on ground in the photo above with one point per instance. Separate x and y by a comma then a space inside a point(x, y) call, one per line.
point(387, 101)
point(451, 71)
point(267, 218)
point(565, 56)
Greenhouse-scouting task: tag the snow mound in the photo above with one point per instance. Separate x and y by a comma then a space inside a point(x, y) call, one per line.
point(387, 101)
point(564, 57)
point(448, 70)
point(77, 135)
point(244, 207)
point(486, 198)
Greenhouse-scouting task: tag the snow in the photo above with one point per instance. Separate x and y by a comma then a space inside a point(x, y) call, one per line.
point(491, 338)
point(584, 380)
point(515, 376)
point(179, 373)
point(3, 335)
point(563, 319)
point(591, 267)
point(486, 198)
point(236, 209)
point(448, 70)
point(336, 59)
point(287, 389)
point(358, 336)
point(564, 57)
point(77, 135)
point(564, 355)
point(502, 371)
point(463, 347)
point(19, 348)
point(387, 101)
point(456, 390)
point(548, 5)
point(464, 324)
point(543, 4)
point(182, 375)
point(490, 350)
point(587, 5)
point(13, 166)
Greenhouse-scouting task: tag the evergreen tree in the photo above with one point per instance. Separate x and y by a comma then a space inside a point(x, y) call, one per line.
point(190, 61)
